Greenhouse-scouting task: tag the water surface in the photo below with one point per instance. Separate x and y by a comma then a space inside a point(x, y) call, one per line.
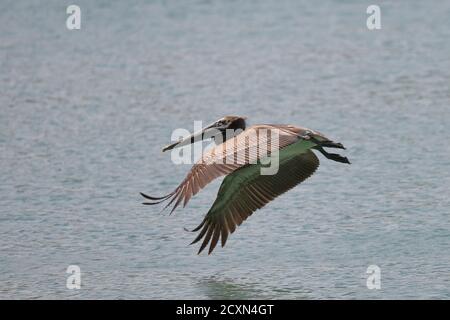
point(84, 115)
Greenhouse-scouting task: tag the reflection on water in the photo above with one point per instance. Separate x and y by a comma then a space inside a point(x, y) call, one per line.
point(84, 115)
point(222, 289)
point(218, 288)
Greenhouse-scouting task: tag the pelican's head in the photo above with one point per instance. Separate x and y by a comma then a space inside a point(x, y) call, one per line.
point(229, 122)
point(218, 127)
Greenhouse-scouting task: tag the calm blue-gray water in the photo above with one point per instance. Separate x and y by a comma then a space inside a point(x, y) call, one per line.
point(85, 113)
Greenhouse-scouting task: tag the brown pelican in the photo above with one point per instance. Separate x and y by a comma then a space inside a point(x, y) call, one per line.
point(245, 189)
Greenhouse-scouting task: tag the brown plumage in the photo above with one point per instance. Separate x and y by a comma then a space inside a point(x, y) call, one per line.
point(211, 165)
point(245, 190)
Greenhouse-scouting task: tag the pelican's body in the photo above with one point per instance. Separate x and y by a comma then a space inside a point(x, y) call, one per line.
point(245, 189)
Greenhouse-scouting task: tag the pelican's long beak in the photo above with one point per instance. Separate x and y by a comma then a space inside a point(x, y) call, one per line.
point(206, 133)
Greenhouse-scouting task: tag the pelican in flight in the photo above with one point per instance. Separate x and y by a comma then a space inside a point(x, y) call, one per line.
point(245, 189)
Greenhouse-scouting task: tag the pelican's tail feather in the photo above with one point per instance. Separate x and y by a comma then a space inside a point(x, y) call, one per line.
point(156, 200)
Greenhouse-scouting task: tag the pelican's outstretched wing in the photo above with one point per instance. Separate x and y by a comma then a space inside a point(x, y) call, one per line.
point(243, 149)
point(246, 190)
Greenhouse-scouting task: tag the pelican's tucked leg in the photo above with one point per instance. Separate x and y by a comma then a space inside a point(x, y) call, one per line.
point(332, 156)
point(331, 144)
point(327, 143)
